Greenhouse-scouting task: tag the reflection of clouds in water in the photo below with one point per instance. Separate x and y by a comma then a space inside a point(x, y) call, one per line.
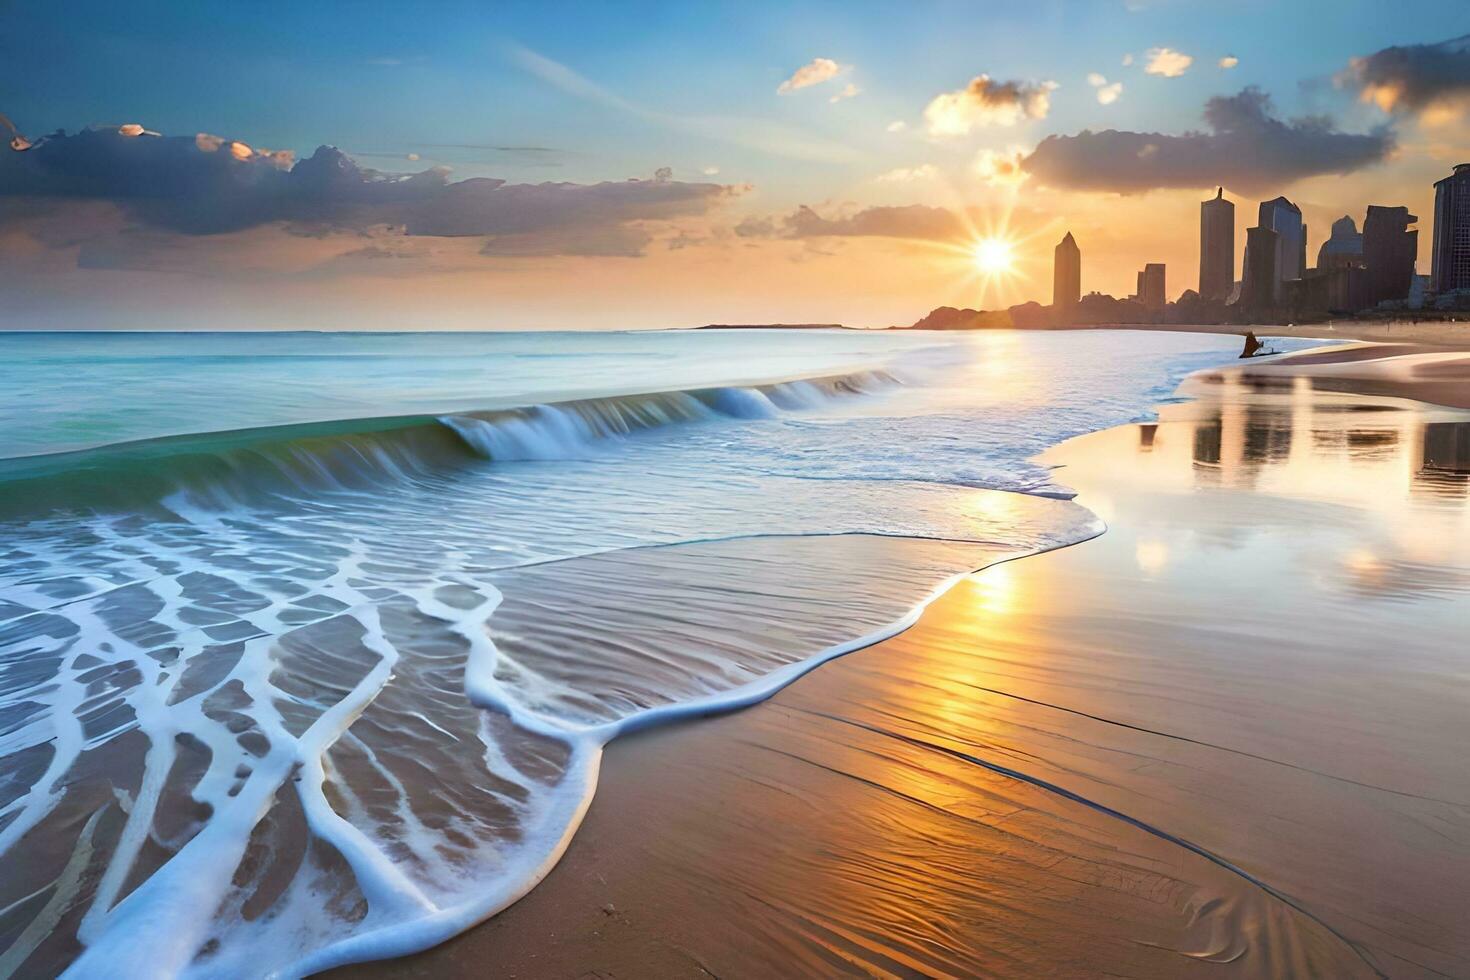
point(1152, 557)
point(1371, 576)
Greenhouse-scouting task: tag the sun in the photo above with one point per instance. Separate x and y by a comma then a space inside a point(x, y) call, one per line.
point(993, 255)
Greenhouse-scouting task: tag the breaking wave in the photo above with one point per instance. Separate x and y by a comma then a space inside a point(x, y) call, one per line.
point(248, 467)
point(276, 699)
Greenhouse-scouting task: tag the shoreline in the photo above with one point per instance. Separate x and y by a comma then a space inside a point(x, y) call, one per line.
point(580, 919)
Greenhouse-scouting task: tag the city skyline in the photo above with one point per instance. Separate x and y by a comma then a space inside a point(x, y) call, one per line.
point(1355, 271)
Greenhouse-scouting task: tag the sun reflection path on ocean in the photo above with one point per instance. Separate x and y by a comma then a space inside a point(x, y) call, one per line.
point(1223, 738)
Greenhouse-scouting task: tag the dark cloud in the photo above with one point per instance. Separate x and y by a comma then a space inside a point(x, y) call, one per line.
point(205, 185)
point(1246, 148)
point(907, 221)
point(1414, 77)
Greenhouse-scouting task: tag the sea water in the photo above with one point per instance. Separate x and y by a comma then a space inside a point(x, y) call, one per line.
point(310, 643)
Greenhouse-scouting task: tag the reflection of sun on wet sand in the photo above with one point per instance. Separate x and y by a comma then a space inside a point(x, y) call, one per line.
point(1224, 738)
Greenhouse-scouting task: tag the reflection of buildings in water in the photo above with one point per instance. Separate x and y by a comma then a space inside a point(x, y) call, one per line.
point(1267, 435)
point(1445, 467)
point(1146, 433)
point(1208, 437)
point(1244, 437)
point(1372, 444)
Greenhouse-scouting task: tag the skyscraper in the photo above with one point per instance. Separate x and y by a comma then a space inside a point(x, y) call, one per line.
point(1216, 246)
point(1390, 249)
point(1066, 286)
point(1284, 218)
point(1450, 264)
point(1258, 277)
point(1151, 286)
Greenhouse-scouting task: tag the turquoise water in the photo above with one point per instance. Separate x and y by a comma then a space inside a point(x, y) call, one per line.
point(310, 643)
point(67, 391)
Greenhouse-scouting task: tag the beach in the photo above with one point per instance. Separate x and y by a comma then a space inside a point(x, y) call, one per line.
point(1224, 737)
point(568, 680)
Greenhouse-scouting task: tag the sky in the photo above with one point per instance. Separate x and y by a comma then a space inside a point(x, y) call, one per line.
point(220, 165)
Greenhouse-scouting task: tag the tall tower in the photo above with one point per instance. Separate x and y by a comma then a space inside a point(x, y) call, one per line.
point(1285, 218)
point(1066, 286)
point(1390, 248)
point(1151, 286)
point(1258, 277)
point(1451, 261)
point(1216, 247)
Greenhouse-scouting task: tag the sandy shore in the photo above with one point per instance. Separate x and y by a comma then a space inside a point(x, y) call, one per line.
point(1224, 738)
point(1439, 334)
point(1417, 371)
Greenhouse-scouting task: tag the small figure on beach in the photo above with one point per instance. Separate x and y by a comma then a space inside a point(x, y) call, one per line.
point(1254, 347)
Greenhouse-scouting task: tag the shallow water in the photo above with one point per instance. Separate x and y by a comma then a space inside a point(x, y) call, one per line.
point(274, 699)
point(1225, 738)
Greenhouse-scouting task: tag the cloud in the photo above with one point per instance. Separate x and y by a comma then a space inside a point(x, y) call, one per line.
point(986, 102)
point(710, 171)
point(1428, 79)
point(1167, 62)
point(848, 91)
point(814, 72)
point(205, 184)
point(897, 126)
point(907, 221)
point(1106, 94)
point(1128, 60)
point(1246, 148)
point(1001, 169)
point(1229, 61)
point(907, 175)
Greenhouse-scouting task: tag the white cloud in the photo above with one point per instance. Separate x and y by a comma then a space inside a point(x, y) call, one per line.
point(847, 92)
point(1106, 94)
point(1167, 62)
point(1229, 61)
point(907, 175)
point(1127, 60)
point(814, 72)
point(897, 126)
point(710, 171)
point(986, 102)
point(1001, 169)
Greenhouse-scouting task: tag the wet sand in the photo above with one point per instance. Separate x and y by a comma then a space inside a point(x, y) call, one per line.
point(1441, 333)
point(1417, 371)
point(1226, 738)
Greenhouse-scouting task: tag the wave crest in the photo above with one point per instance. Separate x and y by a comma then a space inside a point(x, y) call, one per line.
point(253, 467)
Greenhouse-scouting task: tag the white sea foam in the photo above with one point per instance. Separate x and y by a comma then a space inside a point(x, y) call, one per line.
point(348, 711)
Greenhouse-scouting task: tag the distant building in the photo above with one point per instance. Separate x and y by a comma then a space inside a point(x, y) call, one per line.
point(1066, 287)
point(1344, 248)
point(1285, 219)
point(1151, 286)
point(1390, 248)
point(1258, 282)
point(1450, 263)
point(1216, 247)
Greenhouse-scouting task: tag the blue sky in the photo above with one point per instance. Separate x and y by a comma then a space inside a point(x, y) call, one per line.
point(398, 78)
point(624, 89)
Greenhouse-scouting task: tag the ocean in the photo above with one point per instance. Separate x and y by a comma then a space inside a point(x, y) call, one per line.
point(310, 643)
